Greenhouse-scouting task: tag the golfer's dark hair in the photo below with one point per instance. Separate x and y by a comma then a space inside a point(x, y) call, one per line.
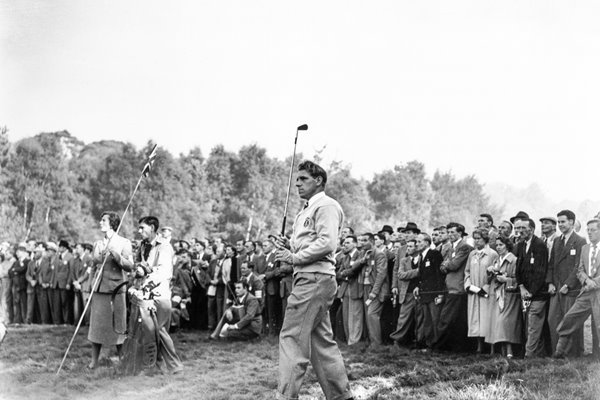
point(150, 221)
point(314, 170)
point(113, 219)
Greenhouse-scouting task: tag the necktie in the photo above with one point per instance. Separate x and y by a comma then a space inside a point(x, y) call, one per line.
point(594, 259)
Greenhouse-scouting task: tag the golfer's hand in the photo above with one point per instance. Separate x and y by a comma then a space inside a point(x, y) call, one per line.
point(282, 242)
point(284, 255)
point(551, 288)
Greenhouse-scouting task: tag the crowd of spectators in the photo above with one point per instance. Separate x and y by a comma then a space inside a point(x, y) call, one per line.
point(500, 289)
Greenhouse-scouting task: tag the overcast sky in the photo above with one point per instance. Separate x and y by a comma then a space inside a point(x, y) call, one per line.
point(506, 90)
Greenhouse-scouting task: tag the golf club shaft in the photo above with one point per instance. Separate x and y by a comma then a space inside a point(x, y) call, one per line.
point(287, 197)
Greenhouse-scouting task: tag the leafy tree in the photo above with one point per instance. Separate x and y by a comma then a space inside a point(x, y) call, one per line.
point(459, 200)
point(401, 194)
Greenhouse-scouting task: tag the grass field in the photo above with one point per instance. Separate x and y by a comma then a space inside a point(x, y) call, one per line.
point(30, 356)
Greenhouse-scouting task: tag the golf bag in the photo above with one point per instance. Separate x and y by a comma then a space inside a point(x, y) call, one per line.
point(140, 349)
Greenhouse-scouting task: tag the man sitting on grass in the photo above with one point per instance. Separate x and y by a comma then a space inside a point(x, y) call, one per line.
point(249, 325)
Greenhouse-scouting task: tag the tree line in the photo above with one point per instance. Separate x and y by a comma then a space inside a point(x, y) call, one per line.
point(53, 185)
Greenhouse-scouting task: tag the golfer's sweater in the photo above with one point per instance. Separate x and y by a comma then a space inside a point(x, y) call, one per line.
point(314, 240)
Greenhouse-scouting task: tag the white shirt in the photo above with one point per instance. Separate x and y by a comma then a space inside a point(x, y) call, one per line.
point(528, 244)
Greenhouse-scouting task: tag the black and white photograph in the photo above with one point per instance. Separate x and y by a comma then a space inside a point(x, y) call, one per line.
point(318, 200)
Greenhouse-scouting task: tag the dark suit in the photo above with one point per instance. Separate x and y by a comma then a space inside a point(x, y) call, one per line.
point(588, 302)
point(562, 270)
point(272, 310)
point(32, 283)
point(431, 285)
point(532, 268)
point(216, 300)
point(250, 325)
point(43, 292)
point(255, 287)
point(61, 287)
point(452, 326)
point(18, 280)
point(258, 262)
point(198, 308)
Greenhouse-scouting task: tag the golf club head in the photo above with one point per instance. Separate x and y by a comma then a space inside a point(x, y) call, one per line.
point(303, 127)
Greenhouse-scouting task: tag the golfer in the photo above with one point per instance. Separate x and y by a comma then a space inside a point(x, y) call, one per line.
point(306, 332)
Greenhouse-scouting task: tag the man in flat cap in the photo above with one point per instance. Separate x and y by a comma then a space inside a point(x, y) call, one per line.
point(548, 227)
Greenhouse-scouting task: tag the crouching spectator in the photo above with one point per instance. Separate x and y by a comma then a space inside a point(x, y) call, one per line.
point(247, 324)
point(179, 312)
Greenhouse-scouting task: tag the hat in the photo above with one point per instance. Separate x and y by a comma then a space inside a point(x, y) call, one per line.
point(64, 243)
point(400, 229)
point(411, 227)
point(387, 228)
point(520, 215)
point(551, 219)
point(51, 246)
point(166, 228)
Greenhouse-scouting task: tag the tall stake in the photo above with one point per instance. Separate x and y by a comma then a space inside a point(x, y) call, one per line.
point(143, 175)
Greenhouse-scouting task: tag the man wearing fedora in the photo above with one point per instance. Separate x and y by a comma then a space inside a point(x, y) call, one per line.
point(521, 215)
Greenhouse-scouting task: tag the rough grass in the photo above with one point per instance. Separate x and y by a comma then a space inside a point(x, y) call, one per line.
point(30, 356)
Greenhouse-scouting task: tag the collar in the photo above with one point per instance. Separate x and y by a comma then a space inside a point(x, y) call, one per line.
point(424, 253)
point(316, 197)
point(454, 244)
point(353, 252)
point(243, 298)
point(568, 236)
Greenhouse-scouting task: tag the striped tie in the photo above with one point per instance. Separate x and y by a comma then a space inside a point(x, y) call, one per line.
point(594, 259)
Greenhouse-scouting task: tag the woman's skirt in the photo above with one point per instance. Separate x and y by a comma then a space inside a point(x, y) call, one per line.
point(101, 319)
